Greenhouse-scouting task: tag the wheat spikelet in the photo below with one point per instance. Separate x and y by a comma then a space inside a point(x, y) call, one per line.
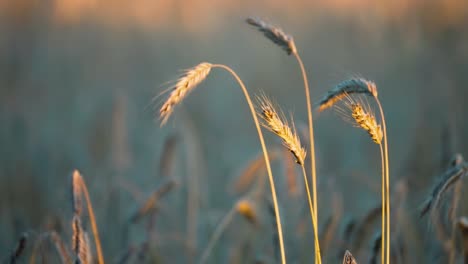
point(367, 121)
point(348, 258)
point(246, 208)
point(274, 123)
point(275, 34)
point(351, 86)
point(184, 85)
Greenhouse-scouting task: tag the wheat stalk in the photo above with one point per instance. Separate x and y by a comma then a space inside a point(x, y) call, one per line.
point(275, 34)
point(345, 88)
point(179, 93)
point(287, 43)
point(366, 120)
point(183, 87)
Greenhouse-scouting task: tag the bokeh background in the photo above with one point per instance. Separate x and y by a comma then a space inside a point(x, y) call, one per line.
point(78, 78)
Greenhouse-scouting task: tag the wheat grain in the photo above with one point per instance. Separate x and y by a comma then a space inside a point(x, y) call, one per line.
point(275, 34)
point(279, 126)
point(347, 87)
point(184, 85)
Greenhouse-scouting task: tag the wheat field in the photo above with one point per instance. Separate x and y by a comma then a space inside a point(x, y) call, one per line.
point(234, 132)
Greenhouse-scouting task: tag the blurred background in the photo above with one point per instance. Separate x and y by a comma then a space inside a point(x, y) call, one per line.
point(78, 79)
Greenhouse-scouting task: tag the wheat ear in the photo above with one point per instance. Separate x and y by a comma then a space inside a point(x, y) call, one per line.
point(83, 190)
point(450, 176)
point(165, 112)
point(279, 126)
point(275, 34)
point(183, 87)
point(345, 88)
point(348, 258)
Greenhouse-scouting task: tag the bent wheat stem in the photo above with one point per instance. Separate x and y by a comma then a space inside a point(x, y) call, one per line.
point(265, 154)
point(187, 83)
point(217, 234)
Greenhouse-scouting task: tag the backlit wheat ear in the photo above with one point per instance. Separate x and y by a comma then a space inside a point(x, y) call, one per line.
point(367, 121)
point(279, 126)
point(351, 86)
point(79, 188)
point(78, 239)
point(275, 34)
point(184, 85)
point(348, 258)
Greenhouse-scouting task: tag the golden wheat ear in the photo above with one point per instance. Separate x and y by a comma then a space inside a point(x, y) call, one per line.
point(279, 126)
point(182, 88)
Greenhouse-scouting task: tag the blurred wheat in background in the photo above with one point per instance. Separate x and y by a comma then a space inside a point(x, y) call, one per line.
point(81, 83)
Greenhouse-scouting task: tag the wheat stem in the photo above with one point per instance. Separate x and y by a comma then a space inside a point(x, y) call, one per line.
point(318, 259)
point(311, 135)
point(387, 180)
point(383, 234)
point(265, 154)
point(217, 234)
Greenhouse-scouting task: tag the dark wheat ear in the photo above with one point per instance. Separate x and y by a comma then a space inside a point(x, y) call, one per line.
point(275, 34)
point(452, 175)
point(345, 88)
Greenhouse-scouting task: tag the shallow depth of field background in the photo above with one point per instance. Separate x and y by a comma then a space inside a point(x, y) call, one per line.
point(77, 79)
